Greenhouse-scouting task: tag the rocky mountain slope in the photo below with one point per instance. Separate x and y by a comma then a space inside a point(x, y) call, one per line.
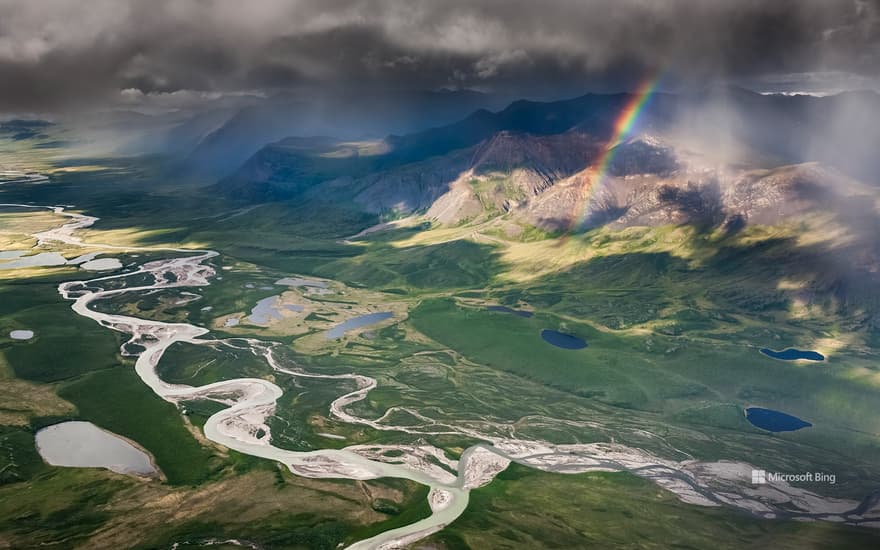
point(744, 161)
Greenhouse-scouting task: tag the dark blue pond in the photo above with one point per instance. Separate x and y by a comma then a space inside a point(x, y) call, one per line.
point(774, 421)
point(562, 340)
point(792, 354)
point(505, 309)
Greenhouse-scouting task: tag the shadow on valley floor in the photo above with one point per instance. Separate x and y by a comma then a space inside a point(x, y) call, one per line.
point(754, 277)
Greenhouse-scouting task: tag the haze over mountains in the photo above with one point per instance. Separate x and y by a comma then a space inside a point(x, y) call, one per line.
point(719, 161)
point(215, 137)
point(723, 156)
point(346, 115)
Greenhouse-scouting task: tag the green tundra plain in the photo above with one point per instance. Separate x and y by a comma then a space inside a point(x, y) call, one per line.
point(673, 316)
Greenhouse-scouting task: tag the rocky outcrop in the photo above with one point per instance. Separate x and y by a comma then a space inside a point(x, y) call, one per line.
point(691, 194)
point(491, 177)
point(409, 188)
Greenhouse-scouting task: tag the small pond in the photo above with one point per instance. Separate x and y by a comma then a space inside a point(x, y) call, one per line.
point(774, 421)
point(792, 354)
point(562, 340)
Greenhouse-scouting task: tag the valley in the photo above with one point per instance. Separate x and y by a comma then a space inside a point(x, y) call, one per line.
point(635, 399)
point(420, 331)
point(423, 275)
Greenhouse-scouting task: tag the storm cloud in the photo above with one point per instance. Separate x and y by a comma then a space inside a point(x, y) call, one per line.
point(61, 54)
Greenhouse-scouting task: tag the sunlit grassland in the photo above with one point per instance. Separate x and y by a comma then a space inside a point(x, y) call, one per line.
point(525, 508)
point(636, 286)
point(18, 224)
point(673, 316)
point(20, 400)
point(456, 264)
point(676, 381)
point(23, 156)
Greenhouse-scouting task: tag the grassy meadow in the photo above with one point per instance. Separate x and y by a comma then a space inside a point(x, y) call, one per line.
point(674, 319)
point(525, 508)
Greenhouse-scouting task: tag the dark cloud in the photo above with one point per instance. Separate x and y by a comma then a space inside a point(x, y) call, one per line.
point(60, 53)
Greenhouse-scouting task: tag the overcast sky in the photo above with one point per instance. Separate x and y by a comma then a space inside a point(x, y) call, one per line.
point(57, 55)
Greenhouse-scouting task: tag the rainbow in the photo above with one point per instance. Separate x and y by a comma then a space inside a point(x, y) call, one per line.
point(623, 125)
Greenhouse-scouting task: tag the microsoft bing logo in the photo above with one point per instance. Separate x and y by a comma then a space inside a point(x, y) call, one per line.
point(762, 477)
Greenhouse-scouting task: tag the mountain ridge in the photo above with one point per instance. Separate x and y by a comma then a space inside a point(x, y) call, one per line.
point(536, 162)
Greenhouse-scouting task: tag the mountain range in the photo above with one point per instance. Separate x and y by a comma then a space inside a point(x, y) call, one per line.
point(726, 158)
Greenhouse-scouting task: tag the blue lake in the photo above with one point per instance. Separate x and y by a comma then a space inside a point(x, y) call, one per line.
point(356, 322)
point(774, 421)
point(505, 309)
point(792, 354)
point(562, 340)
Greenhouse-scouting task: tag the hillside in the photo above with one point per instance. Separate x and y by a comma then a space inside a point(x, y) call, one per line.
point(526, 178)
point(532, 145)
